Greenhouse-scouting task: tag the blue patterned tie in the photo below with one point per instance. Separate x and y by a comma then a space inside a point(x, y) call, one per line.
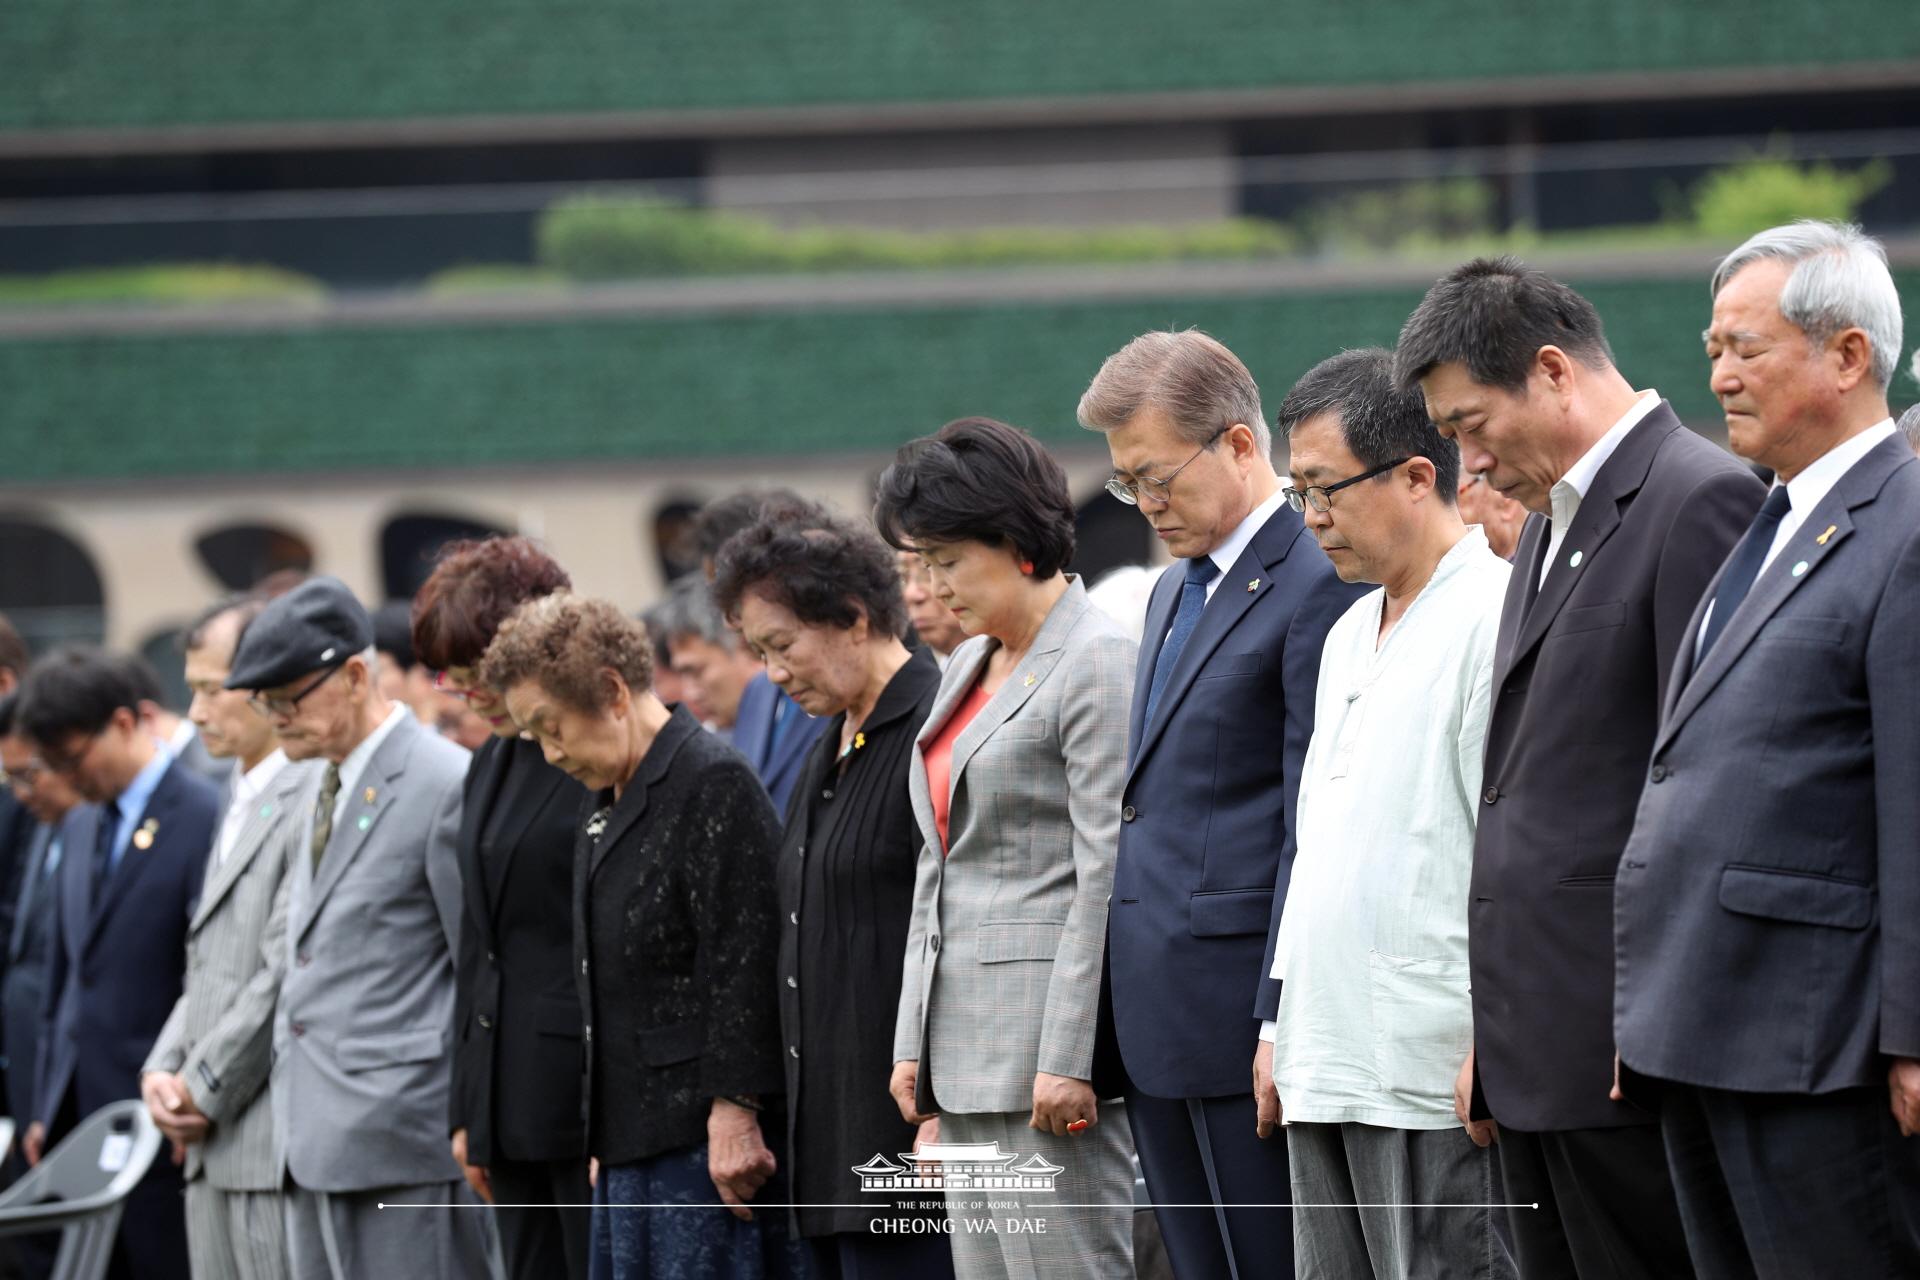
point(106, 835)
point(1744, 565)
point(1193, 598)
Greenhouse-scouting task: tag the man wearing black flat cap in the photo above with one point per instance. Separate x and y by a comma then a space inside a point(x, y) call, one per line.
point(360, 1037)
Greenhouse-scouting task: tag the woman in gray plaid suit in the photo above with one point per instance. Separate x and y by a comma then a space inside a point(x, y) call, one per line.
point(1016, 784)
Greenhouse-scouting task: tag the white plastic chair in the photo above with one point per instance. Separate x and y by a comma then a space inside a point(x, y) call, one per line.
point(80, 1187)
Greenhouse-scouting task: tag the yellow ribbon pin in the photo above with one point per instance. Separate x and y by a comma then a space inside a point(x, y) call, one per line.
point(1822, 539)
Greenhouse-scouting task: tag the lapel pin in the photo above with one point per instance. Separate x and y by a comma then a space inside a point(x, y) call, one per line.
point(143, 838)
point(369, 794)
point(1799, 568)
point(1028, 682)
point(366, 820)
point(1573, 561)
point(266, 810)
point(1822, 539)
point(1253, 586)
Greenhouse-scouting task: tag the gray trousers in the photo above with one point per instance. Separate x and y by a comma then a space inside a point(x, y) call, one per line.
point(235, 1235)
point(1366, 1203)
point(348, 1236)
point(1020, 1234)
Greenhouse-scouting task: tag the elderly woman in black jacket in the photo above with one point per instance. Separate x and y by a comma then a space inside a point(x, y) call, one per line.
point(820, 600)
point(674, 930)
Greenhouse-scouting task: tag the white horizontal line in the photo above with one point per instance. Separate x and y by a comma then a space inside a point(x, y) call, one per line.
point(1129, 1207)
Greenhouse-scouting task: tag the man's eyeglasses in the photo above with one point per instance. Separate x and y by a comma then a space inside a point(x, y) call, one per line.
point(63, 763)
point(23, 778)
point(1320, 496)
point(284, 707)
point(1160, 490)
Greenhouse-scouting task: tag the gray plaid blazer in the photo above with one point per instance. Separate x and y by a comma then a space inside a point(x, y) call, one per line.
point(220, 1036)
point(1002, 971)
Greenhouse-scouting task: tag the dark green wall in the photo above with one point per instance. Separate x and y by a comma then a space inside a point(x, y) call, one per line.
point(162, 62)
point(633, 388)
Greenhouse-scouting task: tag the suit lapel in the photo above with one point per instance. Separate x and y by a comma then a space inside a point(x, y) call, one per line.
point(1022, 681)
point(135, 861)
point(1241, 588)
point(269, 809)
point(513, 826)
point(1599, 515)
point(963, 673)
point(358, 818)
point(653, 768)
point(1810, 547)
point(1521, 592)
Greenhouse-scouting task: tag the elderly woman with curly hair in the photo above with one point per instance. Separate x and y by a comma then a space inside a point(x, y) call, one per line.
point(673, 937)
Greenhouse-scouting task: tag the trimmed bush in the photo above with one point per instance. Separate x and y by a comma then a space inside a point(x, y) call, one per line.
point(1770, 189)
point(177, 283)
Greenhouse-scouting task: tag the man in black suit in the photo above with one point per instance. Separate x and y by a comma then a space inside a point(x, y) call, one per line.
point(1633, 514)
point(129, 876)
point(1768, 907)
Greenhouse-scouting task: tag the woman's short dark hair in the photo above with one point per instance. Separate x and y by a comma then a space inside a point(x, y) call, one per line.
point(1493, 315)
point(475, 585)
point(978, 480)
point(829, 572)
point(76, 689)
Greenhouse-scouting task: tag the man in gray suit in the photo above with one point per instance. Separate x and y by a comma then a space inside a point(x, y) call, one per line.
point(205, 1082)
point(361, 1074)
point(1767, 907)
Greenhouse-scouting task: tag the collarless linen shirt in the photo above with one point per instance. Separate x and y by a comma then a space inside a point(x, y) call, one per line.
point(1374, 1018)
point(1571, 489)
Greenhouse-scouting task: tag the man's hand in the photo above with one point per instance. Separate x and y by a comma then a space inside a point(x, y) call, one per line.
point(476, 1175)
point(906, 1077)
point(1483, 1132)
point(1903, 1083)
point(33, 1144)
point(1266, 1094)
point(738, 1160)
point(1059, 1101)
point(171, 1105)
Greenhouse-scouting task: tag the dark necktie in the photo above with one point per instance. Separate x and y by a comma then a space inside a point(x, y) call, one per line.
point(1193, 598)
point(1744, 565)
point(103, 842)
point(323, 814)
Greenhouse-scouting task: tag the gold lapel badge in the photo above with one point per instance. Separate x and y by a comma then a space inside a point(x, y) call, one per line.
point(143, 838)
point(1028, 682)
point(1253, 586)
point(369, 794)
point(1822, 539)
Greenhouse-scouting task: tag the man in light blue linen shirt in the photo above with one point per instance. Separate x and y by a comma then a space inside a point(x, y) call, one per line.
point(1374, 1014)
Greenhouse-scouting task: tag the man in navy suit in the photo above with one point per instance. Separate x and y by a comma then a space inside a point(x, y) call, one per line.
point(1222, 711)
point(1767, 907)
point(132, 866)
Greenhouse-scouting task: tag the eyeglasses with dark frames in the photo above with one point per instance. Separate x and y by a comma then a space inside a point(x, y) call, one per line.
point(1160, 490)
point(1320, 496)
point(287, 706)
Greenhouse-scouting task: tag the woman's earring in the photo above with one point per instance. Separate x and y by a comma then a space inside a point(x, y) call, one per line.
point(1026, 567)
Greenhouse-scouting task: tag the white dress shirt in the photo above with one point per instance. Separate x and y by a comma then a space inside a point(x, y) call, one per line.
point(247, 788)
point(1807, 491)
point(1236, 542)
point(357, 759)
point(1374, 1018)
point(1571, 489)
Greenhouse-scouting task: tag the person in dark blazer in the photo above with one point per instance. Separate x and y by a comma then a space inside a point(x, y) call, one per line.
point(821, 603)
point(674, 938)
point(130, 873)
point(1221, 713)
point(517, 1057)
point(774, 733)
point(1767, 918)
point(1632, 515)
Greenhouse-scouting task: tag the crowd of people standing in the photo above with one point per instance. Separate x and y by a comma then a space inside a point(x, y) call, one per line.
point(1491, 850)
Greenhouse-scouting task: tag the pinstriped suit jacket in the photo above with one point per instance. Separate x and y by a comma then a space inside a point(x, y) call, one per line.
point(220, 1036)
point(1002, 970)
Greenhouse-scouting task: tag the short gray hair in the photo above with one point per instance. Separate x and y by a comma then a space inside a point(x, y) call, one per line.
point(1191, 377)
point(1910, 424)
point(1839, 281)
point(690, 612)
